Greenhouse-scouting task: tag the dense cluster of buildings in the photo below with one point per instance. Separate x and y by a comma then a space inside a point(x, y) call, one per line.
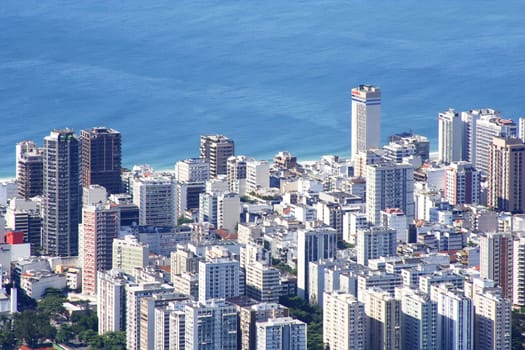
point(400, 248)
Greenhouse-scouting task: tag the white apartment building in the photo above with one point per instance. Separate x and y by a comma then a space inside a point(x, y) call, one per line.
point(257, 175)
point(312, 245)
point(389, 185)
point(366, 118)
point(418, 320)
point(218, 278)
point(155, 197)
point(35, 282)
point(134, 294)
point(344, 322)
point(111, 305)
point(249, 315)
point(211, 325)
point(480, 127)
point(492, 320)
point(455, 318)
point(192, 170)
point(395, 219)
point(377, 279)
point(375, 242)
point(281, 333)
point(450, 136)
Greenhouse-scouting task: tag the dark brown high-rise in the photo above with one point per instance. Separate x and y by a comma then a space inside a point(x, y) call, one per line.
point(101, 158)
point(29, 169)
point(216, 149)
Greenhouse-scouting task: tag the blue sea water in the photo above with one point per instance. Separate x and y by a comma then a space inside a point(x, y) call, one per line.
point(272, 75)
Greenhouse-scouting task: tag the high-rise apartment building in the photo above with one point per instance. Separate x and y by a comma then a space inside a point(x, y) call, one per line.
point(480, 126)
point(192, 170)
point(100, 225)
point(211, 325)
point(521, 129)
point(155, 197)
point(518, 262)
point(129, 253)
point(344, 322)
point(154, 333)
point(418, 320)
point(101, 158)
point(134, 295)
point(375, 242)
point(111, 301)
point(61, 193)
point(262, 282)
point(29, 169)
point(495, 249)
point(249, 315)
point(492, 320)
point(455, 318)
point(281, 333)
point(218, 278)
point(257, 175)
point(506, 175)
point(366, 118)
point(25, 215)
point(450, 136)
point(383, 314)
point(236, 174)
point(389, 185)
point(312, 245)
point(462, 184)
point(216, 149)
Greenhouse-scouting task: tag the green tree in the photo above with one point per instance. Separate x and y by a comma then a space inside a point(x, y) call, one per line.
point(65, 334)
point(32, 327)
point(7, 337)
point(84, 320)
point(110, 340)
point(52, 305)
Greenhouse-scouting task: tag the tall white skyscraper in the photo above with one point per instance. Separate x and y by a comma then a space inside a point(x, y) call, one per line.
point(389, 185)
point(455, 318)
point(366, 118)
point(312, 245)
point(450, 136)
point(344, 322)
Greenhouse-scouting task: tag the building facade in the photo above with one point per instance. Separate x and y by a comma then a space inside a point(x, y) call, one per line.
point(366, 118)
point(61, 194)
point(101, 158)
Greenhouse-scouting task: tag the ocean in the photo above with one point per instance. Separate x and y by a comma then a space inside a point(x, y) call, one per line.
point(272, 75)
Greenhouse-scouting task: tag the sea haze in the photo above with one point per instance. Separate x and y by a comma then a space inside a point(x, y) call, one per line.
point(272, 75)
